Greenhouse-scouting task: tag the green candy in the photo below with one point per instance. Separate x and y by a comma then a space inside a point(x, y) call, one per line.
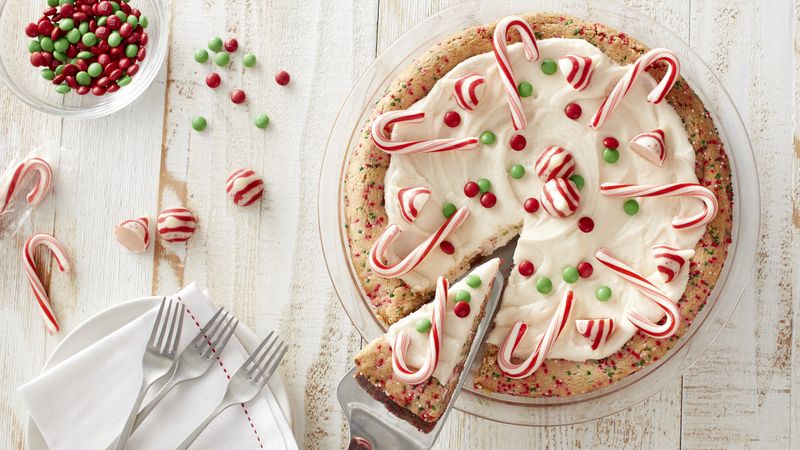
point(549, 67)
point(215, 44)
point(60, 69)
point(61, 56)
point(89, 39)
point(143, 22)
point(47, 44)
point(131, 50)
point(73, 36)
point(517, 171)
point(448, 210)
point(66, 24)
point(124, 81)
point(122, 16)
point(570, 274)
point(83, 78)
point(525, 89)
point(48, 74)
point(199, 123)
point(631, 207)
point(423, 325)
point(484, 185)
point(578, 180)
point(115, 39)
point(473, 281)
point(52, 3)
point(94, 69)
point(62, 89)
point(249, 60)
point(463, 296)
point(133, 21)
point(488, 138)
point(222, 59)
point(201, 55)
point(85, 54)
point(83, 27)
point(34, 46)
point(610, 155)
point(603, 293)
point(115, 6)
point(101, 22)
point(261, 120)
point(61, 45)
point(544, 285)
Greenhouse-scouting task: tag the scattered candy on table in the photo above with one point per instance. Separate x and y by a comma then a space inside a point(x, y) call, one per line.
point(134, 234)
point(215, 44)
point(261, 120)
point(201, 55)
point(249, 60)
point(244, 187)
point(18, 176)
point(199, 123)
point(282, 78)
point(29, 262)
point(222, 59)
point(231, 45)
point(213, 80)
point(176, 224)
point(238, 96)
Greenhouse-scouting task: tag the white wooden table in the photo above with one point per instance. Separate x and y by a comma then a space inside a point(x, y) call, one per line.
point(266, 264)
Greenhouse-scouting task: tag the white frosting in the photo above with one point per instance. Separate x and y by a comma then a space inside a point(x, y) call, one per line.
point(456, 329)
point(550, 243)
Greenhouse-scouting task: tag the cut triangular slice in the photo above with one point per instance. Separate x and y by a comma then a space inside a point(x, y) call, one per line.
point(388, 374)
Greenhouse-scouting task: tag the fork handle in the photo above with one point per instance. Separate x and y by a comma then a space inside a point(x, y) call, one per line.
point(128, 428)
point(174, 380)
point(188, 440)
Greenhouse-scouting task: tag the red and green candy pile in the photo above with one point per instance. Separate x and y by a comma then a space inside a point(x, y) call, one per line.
point(88, 45)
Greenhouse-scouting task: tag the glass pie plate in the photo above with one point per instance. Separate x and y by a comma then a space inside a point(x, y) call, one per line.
point(705, 327)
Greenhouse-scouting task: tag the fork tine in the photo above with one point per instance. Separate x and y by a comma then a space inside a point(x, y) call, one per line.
point(164, 327)
point(215, 343)
point(155, 325)
point(202, 336)
point(258, 350)
point(179, 318)
point(257, 363)
point(210, 335)
point(271, 364)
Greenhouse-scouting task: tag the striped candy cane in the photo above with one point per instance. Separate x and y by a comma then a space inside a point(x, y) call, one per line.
point(504, 65)
point(636, 69)
point(465, 90)
point(400, 346)
point(407, 264)
point(649, 290)
point(23, 169)
point(596, 331)
point(551, 334)
point(411, 201)
point(29, 262)
point(710, 205)
point(384, 141)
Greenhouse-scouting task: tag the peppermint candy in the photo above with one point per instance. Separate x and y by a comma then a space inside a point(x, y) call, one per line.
point(535, 359)
point(244, 187)
point(649, 290)
point(176, 224)
point(19, 174)
point(670, 260)
point(596, 331)
point(577, 70)
point(384, 141)
point(637, 69)
point(504, 65)
point(650, 146)
point(710, 205)
point(560, 197)
point(466, 90)
point(411, 202)
point(400, 345)
point(29, 262)
point(396, 270)
point(134, 234)
point(554, 162)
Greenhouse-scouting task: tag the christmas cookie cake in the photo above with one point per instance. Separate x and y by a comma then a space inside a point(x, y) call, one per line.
point(581, 141)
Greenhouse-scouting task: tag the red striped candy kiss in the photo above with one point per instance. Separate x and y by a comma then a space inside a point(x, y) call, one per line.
point(176, 224)
point(670, 260)
point(518, 118)
point(134, 234)
point(29, 262)
point(560, 197)
point(244, 187)
point(466, 90)
point(554, 162)
point(596, 331)
point(650, 146)
point(411, 201)
point(577, 70)
point(384, 141)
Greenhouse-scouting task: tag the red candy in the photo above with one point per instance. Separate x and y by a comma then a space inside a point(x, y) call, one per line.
point(585, 269)
point(471, 189)
point(452, 119)
point(586, 224)
point(231, 45)
point(37, 59)
point(488, 200)
point(526, 268)
point(610, 142)
point(461, 309)
point(518, 142)
point(573, 111)
point(238, 96)
point(282, 78)
point(531, 205)
point(32, 30)
point(447, 247)
point(213, 80)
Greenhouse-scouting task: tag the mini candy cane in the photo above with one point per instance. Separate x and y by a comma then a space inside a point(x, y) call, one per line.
point(710, 205)
point(465, 90)
point(38, 193)
point(385, 143)
point(551, 334)
point(33, 275)
point(649, 290)
point(506, 74)
point(400, 346)
point(650, 146)
point(577, 70)
point(411, 202)
point(624, 84)
point(416, 256)
point(670, 260)
point(596, 331)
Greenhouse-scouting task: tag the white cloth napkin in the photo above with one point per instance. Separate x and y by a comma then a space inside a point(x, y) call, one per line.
point(83, 402)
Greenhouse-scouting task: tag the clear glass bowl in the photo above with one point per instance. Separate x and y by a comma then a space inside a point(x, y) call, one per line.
point(28, 85)
point(705, 328)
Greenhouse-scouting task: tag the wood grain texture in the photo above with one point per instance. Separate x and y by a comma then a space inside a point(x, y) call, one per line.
point(264, 261)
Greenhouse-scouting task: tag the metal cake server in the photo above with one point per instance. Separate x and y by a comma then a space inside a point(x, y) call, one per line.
point(372, 426)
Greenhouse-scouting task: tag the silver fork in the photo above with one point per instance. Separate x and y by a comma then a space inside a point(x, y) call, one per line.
point(195, 360)
point(159, 358)
point(245, 384)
